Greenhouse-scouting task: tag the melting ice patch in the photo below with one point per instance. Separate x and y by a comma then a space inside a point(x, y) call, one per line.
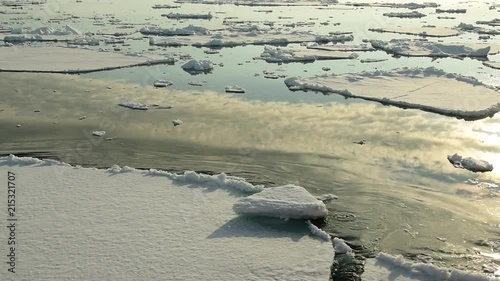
point(286, 202)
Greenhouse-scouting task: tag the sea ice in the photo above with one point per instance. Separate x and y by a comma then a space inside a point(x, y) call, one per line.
point(340, 246)
point(69, 60)
point(189, 16)
point(397, 268)
point(469, 163)
point(285, 202)
point(145, 227)
point(177, 122)
point(194, 66)
point(427, 89)
point(98, 133)
point(279, 55)
point(420, 31)
point(235, 89)
point(185, 31)
point(162, 83)
point(425, 48)
point(317, 231)
point(412, 14)
point(134, 105)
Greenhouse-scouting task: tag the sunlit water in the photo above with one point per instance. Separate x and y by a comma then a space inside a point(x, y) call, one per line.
point(397, 193)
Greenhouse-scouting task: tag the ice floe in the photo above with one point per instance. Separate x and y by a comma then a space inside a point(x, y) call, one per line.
point(98, 133)
point(420, 31)
point(451, 11)
point(427, 89)
point(134, 105)
point(280, 55)
point(397, 268)
point(177, 122)
point(238, 247)
point(425, 48)
point(189, 16)
point(69, 60)
point(185, 31)
point(235, 89)
point(469, 163)
point(162, 83)
point(412, 14)
point(195, 66)
point(492, 64)
point(286, 202)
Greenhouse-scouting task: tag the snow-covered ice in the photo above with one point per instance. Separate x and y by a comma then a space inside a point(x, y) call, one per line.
point(98, 133)
point(281, 55)
point(317, 231)
point(162, 83)
point(195, 66)
point(420, 31)
point(134, 105)
point(135, 225)
point(177, 122)
point(340, 246)
point(427, 89)
point(425, 48)
point(397, 268)
point(185, 31)
point(469, 163)
point(68, 60)
point(412, 14)
point(189, 16)
point(235, 89)
point(286, 202)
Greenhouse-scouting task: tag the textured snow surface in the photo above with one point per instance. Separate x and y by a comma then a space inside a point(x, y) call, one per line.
point(126, 224)
point(387, 267)
point(287, 202)
point(68, 60)
point(469, 163)
point(428, 89)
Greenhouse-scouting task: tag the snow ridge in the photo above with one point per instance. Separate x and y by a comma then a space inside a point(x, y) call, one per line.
point(317, 231)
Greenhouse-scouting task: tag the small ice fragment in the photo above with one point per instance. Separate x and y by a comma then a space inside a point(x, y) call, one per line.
point(177, 122)
point(195, 83)
point(164, 106)
point(108, 139)
point(327, 197)
point(162, 83)
point(98, 133)
point(341, 246)
point(469, 163)
point(82, 117)
point(361, 142)
point(442, 239)
point(326, 68)
point(38, 110)
point(134, 105)
point(235, 89)
point(18, 125)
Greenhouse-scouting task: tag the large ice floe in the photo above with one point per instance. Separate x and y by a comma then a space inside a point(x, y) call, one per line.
point(412, 14)
point(425, 48)
point(128, 224)
point(397, 268)
point(469, 163)
point(427, 89)
point(286, 202)
point(184, 31)
point(420, 31)
point(280, 55)
point(69, 60)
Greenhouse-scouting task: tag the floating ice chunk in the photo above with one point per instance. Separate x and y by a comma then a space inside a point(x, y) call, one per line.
point(185, 31)
point(340, 246)
point(134, 105)
point(195, 83)
point(286, 202)
point(451, 11)
point(177, 122)
point(412, 14)
point(421, 48)
point(194, 66)
point(164, 106)
point(188, 16)
point(235, 89)
point(18, 126)
point(372, 60)
point(165, 6)
point(327, 197)
point(470, 163)
point(317, 231)
point(98, 133)
point(162, 83)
